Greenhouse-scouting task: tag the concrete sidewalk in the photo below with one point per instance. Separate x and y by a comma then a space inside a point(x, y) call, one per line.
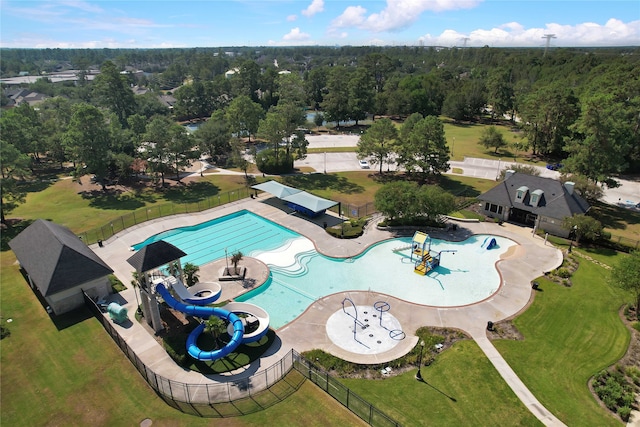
point(529, 260)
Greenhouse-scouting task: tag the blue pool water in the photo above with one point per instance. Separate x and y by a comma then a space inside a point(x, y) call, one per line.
point(242, 231)
point(300, 275)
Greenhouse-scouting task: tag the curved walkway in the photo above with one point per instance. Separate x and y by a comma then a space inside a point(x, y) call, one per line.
point(518, 267)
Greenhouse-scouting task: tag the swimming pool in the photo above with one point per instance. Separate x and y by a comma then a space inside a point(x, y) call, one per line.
point(300, 275)
point(240, 231)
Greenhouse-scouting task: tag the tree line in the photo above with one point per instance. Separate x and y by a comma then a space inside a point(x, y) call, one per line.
point(575, 105)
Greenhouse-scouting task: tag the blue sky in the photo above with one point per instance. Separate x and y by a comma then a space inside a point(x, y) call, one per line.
point(212, 23)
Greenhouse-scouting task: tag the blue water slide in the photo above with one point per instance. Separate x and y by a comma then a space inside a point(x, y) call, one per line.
point(204, 313)
point(492, 243)
point(489, 242)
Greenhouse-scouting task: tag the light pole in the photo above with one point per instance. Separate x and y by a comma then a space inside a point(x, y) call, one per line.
point(325, 162)
point(453, 144)
point(419, 374)
point(572, 234)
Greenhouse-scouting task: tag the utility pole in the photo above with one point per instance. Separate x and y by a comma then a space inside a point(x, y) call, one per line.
point(546, 46)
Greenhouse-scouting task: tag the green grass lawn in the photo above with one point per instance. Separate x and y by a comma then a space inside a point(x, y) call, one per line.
point(569, 335)
point(77, 376)
point(461, 388)
point(65, 202)
point(463, 138)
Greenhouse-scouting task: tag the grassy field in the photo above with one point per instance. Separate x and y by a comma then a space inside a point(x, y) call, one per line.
point(76, 375)
point(461, 388)
point(570, 333)
point(79, 208)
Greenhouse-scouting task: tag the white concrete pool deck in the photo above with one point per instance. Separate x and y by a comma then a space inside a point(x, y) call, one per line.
point(529, 260)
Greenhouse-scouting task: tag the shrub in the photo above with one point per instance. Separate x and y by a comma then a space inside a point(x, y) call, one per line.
point(4, 332)
point(267, 163)
point(564, 273)
point(624, 412)
point(176, 349)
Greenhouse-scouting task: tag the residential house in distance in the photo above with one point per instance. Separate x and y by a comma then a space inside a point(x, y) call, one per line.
point(534, 201)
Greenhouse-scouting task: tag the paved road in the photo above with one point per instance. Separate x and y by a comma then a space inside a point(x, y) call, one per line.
point(627, 195)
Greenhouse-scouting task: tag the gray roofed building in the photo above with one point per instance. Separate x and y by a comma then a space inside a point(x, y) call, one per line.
point(534, 201)
point(154, 255)
point(60, 265)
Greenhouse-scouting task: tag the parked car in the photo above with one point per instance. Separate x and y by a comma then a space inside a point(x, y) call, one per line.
point(363, 164)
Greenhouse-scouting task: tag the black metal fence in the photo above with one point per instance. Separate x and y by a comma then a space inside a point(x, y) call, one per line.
point(632, 243)
point(246, 395)
point(356, 404)
point(353, 211)
point(167, 209)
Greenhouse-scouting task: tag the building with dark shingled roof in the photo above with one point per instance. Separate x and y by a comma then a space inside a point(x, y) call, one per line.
point(59, 265)
point(534, 201)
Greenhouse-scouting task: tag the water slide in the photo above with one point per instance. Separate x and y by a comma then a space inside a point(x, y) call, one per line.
point(204, 313)
point(489, 242)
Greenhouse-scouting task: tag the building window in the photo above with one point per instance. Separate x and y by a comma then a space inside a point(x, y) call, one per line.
point(521, 193)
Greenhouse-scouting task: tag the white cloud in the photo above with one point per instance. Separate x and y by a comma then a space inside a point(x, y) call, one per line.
point(291, 18)
point(397, 15)
point(82, 5)
point(316, 6)
point(613, 33)
point(295, 35)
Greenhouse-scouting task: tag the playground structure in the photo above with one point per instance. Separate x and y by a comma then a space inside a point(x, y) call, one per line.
point(195, 305)
point(421, 248)
point(381, 307)
point(425, 261)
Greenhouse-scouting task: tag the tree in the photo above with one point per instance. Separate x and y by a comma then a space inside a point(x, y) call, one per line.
point(21, 127)
point(292, 118)
point(587, 188)
point(315, 86)
point(377, 142)
point(491, 137)
point(216, 327)
point(273, 129)
point(213, 136)
point(237, 156)
point(14, 166)
point(112, 91)
point(395, 200)
point(425, 150)
point(235, 259)
point(290, 89)
point(180, 148)
point(336, 101)
point(547, 114)
point(407, 203)
point(88, 138)
point(155, 148)
point(500, 93)
point(360, 95)
point(190, 273)
point(602, 139)
point(243, 116)
point(55, 114)
point(626, 275)
point(583, 226)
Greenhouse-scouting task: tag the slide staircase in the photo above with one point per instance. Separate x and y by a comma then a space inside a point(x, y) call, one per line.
point(424, 266)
